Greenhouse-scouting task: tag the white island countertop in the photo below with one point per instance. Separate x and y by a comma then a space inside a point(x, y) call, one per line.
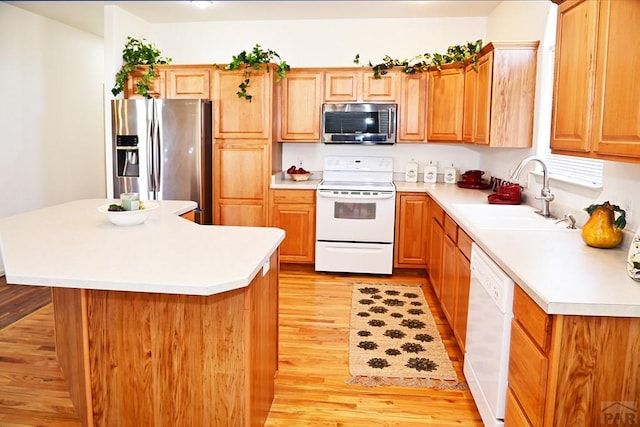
point(73, 245)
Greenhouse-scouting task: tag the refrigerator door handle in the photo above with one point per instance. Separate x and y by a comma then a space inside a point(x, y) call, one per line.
point(157, 154)
point(150, 138)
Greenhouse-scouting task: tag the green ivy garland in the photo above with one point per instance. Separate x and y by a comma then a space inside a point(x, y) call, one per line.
point(426, 61)
point(135, 53)
point(253, 60)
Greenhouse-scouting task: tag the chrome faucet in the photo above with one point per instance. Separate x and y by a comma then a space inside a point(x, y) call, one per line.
point(545, 194)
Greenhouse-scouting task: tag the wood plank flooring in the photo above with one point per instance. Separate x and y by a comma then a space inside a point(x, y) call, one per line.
point(310, 388)
point(16, 301)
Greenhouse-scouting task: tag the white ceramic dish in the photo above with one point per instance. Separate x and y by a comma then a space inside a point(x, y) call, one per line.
point(129, 217)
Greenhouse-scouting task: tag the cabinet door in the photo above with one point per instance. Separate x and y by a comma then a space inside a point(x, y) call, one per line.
point(241, 176)
point(449, 278)
point(156, 90)
point(482, 108)
point(435, 256)
point(574, 75)
point(383, 89)
point(300, 103)
point(445, 100)
point(462, 300)
point(237, 117)
point(616, 118)
point(412, 217)
point(469, 108)
point(341, 86)
point(189, 83)
point(298, 222)
point(412, 108)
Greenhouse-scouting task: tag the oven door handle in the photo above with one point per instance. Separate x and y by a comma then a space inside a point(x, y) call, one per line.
point(331, 195)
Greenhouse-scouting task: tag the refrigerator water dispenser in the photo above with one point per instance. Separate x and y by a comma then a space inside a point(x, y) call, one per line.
point(127, 155)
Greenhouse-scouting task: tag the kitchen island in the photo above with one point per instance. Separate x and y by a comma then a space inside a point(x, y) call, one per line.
point(167, 323)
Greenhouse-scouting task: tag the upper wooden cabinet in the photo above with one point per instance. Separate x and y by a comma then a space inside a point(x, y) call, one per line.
point(384, 89)
point(238, 118)
point(174, 81)
point(360, 86)
point(189, 83)
point(300, 103)
point(445, 104)
point(412, 108)
point(596, 94)
point(499, 94)
point(341, 86)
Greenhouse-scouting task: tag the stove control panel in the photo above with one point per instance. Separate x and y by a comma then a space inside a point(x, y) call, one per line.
point(358, 163)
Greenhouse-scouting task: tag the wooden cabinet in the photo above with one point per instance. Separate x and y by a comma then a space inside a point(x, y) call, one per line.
point(192, 82)
point(238, 118)
point(384, 89)
point(456, 276)
point(299, 103)
point(445, 104)
point(570, 370)
point(241, 183)
point(295, 212)
point(341, 86)
point(157, 89)
point(594, 87)
point(436, 239)
point(174, 82)
point(412, 108)
point(412, 218)
point(359, 85)
point(499, 94)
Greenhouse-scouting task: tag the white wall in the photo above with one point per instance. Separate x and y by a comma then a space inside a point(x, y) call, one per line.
point(51, 149)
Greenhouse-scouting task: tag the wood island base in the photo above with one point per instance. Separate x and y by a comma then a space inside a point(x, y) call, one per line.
point(145, 359)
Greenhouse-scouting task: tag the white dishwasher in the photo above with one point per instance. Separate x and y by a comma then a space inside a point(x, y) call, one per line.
point(486, 358)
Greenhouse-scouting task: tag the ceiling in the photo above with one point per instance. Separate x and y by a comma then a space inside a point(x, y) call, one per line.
point(88, 15)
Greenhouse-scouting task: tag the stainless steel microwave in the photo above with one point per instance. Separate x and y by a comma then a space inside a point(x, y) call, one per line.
point(359, 123)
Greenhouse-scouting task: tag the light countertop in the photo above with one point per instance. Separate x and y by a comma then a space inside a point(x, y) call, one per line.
point(561, 273)
point(73, 245)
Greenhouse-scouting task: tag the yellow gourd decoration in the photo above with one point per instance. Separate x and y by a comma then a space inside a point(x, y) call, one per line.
point(602, 230)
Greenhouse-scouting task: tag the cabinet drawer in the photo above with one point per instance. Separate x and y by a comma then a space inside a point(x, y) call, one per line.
point(533, 319)
point(514, 416)
point(527, 374)
point(294, 196)
point(464, 243)
point(437, 213)
point(450, 228)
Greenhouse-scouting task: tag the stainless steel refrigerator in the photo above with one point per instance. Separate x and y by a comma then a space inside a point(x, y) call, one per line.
point(162, 150)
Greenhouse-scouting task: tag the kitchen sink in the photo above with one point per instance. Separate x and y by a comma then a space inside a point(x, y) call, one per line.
point(508, 217)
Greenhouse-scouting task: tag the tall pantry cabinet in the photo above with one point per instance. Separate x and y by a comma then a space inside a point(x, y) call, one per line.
point(244, 155)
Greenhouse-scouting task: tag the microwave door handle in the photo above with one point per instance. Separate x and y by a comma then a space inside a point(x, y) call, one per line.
point(390, 121)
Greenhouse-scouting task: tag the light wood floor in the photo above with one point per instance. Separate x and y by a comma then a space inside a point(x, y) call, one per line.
point(310, 388)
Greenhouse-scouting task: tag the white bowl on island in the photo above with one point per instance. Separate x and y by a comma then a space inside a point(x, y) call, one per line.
point(129, 217)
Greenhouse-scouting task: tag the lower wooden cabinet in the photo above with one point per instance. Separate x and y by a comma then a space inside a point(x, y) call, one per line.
point(412, 218)
point(241, 183)
point(567, 371)
point(295, 212)
point(434, 257)
point(456, 275)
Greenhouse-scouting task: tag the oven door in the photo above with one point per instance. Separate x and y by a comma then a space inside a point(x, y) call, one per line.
point(355, 216)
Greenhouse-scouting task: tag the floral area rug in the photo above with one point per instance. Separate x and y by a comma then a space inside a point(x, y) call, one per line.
point(394, 340)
